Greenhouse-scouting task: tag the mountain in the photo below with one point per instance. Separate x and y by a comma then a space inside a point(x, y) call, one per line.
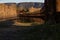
point(27, 4)
point(30, 4)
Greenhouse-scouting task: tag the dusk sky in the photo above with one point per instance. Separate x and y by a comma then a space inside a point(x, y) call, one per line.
point(17, 1)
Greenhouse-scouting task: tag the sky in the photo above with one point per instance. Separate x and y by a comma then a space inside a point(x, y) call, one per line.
point(18, 1)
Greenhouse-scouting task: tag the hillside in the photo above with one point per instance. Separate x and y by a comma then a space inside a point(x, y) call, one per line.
point(9, 10)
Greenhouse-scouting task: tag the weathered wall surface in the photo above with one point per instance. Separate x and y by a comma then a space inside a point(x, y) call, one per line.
point(58, 5)
point(7, 11)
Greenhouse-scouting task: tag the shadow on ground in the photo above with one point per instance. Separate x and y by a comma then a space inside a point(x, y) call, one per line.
point(39, 32)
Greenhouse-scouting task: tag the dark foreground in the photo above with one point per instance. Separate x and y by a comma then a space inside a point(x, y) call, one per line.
point(39, 32)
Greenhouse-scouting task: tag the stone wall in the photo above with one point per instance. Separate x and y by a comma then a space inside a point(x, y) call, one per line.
point(58, 5)
point(7, 11)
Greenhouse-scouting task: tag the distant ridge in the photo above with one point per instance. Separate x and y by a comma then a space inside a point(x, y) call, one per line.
point(30, 4)
point(27, 4)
